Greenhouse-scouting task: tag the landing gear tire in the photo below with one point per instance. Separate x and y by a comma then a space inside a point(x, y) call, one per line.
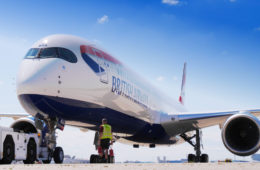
point(8, 154)
point(191, 158)
point(58, 155)
point(31, 152)
point(204, 158)
point(47, 161)
point(94, 159)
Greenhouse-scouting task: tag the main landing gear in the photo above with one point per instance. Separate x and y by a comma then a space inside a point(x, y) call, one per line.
point(198, 157)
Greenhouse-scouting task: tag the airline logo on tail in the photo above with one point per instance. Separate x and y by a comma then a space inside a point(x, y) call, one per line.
point(182, 96)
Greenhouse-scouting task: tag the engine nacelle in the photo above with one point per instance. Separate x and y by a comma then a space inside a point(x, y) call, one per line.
point(241, 134)
point(27, 125)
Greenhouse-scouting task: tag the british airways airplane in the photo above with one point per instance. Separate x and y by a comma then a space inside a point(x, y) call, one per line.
point(65, 79)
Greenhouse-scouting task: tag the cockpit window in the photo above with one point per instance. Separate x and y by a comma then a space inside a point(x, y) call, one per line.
point(48, 53)
point(52, 52)
point(32, 53)
point(67, 55)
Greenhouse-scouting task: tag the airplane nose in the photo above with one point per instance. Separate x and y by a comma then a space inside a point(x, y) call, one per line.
point(32, 76)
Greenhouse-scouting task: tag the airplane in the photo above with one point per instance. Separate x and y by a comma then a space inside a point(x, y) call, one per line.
point(66, 80)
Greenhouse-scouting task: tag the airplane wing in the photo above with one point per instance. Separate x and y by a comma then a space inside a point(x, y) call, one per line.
point(14, 116)
point(185, 122)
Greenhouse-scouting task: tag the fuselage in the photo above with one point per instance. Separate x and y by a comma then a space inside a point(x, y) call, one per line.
point(67, 77)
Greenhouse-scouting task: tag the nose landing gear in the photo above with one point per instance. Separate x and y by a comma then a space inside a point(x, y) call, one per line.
point(48, 148)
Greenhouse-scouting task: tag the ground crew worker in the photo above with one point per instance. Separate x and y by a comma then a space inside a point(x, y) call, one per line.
point(105, 137)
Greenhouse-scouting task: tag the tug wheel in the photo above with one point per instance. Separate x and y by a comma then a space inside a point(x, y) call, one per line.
point(31, 152)
point(8, 155)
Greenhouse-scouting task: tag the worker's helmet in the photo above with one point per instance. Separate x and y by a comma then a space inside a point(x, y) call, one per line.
point(104, 120)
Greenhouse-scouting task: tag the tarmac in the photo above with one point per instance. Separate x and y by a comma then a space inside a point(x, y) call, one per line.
point(141, 166)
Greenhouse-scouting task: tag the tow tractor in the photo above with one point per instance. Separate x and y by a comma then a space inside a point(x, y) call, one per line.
point(21, 145)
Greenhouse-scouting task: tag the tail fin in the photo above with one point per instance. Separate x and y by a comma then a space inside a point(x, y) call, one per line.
point(182, 96)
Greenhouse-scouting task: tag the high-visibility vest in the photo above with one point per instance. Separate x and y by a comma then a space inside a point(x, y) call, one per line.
point(107, 133)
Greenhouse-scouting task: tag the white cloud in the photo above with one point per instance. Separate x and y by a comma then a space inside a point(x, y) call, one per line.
point(1, 83)
point(171, 2)
point(160, 78)
point(257, 29)
point(103, 19)
point(97, 41)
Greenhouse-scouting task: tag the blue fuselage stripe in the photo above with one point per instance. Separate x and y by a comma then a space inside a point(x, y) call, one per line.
point(89, 113)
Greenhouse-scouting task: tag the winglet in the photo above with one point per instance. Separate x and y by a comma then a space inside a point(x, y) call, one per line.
point(182, 96)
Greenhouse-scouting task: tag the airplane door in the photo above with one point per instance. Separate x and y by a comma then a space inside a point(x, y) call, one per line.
point(104, 74)
point(103, 67)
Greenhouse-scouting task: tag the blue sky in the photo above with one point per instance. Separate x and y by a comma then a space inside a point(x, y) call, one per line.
point(219, 39)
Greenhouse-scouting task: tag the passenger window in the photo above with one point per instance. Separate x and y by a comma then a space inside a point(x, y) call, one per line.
point(67, 55)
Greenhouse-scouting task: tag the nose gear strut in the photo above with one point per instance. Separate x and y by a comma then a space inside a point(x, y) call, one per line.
point(49, 139)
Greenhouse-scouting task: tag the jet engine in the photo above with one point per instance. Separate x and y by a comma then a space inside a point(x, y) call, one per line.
point(241, 134)
point(26, 125)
